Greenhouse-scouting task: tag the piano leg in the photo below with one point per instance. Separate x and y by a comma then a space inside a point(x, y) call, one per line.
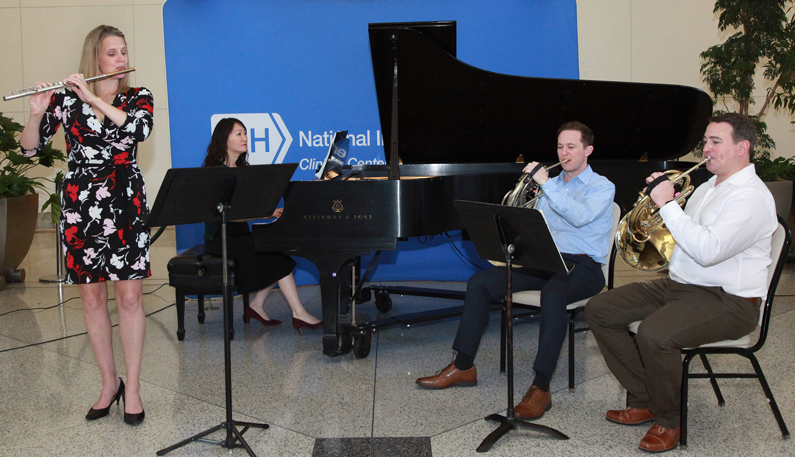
point(335, 295)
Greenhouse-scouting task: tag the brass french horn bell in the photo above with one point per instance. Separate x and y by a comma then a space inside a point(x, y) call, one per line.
point(527, 192)
point(642, 239)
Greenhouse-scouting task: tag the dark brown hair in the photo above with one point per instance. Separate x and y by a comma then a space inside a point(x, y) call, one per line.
point(585, 132)
point(743, 128)
point(216, 150)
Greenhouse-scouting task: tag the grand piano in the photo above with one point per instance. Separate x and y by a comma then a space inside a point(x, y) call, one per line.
point(453, 131)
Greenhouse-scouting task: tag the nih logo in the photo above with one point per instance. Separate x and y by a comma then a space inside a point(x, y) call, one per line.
point(268, 138)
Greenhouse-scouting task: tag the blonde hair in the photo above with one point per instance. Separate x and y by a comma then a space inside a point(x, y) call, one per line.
point(89, 61)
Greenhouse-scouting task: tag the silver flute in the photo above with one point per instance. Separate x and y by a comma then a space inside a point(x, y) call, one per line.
point(35, 90)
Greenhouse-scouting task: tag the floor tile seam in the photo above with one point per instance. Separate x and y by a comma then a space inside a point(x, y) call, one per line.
point(24, 346)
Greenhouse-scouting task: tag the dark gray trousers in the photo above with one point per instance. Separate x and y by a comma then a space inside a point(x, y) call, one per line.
point(674, 316)
point(557, 291)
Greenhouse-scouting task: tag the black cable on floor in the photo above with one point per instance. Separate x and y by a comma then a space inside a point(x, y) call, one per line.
point(83, 333)
point(76, 334)
point(67, 301)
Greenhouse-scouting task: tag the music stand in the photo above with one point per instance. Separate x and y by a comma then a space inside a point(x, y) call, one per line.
point(192, 195)
point(511, 233)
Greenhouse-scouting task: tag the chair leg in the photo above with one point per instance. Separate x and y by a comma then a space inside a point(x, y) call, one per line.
point(769, 394)
point(180, 315)
point(713, 380)
point(571, 350)
point(683, 401)
point(200, 299)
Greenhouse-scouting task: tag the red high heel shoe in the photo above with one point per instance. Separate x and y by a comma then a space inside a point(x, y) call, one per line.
point(249, 313)
point(298, 324)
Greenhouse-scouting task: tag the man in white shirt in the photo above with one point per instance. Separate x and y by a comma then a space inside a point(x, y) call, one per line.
point(718, 278)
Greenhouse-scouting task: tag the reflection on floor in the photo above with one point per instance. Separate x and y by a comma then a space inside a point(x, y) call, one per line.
point(317, 405)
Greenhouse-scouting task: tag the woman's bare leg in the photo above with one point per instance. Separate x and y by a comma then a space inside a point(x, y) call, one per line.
point(132, 325)
point(290, 291)
point(100, 333)
point(259, 301)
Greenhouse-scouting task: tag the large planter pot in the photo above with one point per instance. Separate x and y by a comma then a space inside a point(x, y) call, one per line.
point(17, 226)
point(782, 194)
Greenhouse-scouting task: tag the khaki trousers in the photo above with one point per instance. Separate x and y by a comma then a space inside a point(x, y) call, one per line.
point(674, 316)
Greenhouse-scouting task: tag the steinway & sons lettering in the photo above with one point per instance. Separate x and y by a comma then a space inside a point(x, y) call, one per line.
point(361, 217)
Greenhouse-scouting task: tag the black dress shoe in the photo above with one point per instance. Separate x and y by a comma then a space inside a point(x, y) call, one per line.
point(94, 414)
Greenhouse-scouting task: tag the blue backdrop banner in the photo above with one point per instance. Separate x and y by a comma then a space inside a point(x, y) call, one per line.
point(296, 71)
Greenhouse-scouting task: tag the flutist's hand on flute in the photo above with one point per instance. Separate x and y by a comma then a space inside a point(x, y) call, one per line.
point(29, 138)
point(77, 82)
point(40, 101)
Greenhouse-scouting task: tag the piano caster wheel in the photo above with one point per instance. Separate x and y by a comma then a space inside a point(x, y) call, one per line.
point(383, 302)
point(361, 344)
point(17, 276)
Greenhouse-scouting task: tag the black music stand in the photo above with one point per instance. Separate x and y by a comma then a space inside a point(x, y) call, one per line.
point(511, 233)
point(192, 195)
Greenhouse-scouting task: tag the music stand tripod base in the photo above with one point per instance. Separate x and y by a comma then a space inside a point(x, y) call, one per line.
point(508, 424)
point(223, 443)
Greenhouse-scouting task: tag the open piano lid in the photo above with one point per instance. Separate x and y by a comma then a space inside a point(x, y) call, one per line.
point(452, 112)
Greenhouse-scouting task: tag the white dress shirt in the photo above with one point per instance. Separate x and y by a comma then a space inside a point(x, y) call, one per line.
point(723, 236)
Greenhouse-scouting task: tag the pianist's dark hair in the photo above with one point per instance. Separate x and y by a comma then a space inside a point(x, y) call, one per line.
point(743, 128)
point(587, 134)
point(216, 151)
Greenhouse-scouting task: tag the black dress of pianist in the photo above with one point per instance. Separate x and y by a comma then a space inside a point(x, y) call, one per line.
point(256, 271)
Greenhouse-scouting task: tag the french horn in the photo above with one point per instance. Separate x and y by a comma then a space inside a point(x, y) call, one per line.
point(642, 239)
point(527, 192)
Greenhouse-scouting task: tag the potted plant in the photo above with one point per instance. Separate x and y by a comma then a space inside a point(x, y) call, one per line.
point(19, 200)
point(764, 33)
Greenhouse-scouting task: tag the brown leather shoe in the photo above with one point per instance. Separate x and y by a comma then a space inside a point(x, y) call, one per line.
point(659, 439)
point(630, 416)
point(450, 376)
point(534, 404)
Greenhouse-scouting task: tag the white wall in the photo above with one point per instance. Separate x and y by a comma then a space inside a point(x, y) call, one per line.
point(42, 40)
point(660, 42)
point(619, 40)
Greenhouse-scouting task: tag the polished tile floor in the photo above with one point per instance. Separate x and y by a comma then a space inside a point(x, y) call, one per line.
point(317, 405)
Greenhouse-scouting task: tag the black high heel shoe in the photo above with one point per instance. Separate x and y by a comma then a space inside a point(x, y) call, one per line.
point(298, 324)
point(94, 414)
point(133, 419)
point(249, 314)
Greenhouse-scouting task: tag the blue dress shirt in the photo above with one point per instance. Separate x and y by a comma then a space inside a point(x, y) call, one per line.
point(580, 213)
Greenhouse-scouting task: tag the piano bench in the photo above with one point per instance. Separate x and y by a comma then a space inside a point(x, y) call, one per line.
point(194, 272)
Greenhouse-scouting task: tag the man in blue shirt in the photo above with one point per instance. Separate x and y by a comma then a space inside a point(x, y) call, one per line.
point(577, 205)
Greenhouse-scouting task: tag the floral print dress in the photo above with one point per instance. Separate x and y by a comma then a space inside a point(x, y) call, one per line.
point(103, 202)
